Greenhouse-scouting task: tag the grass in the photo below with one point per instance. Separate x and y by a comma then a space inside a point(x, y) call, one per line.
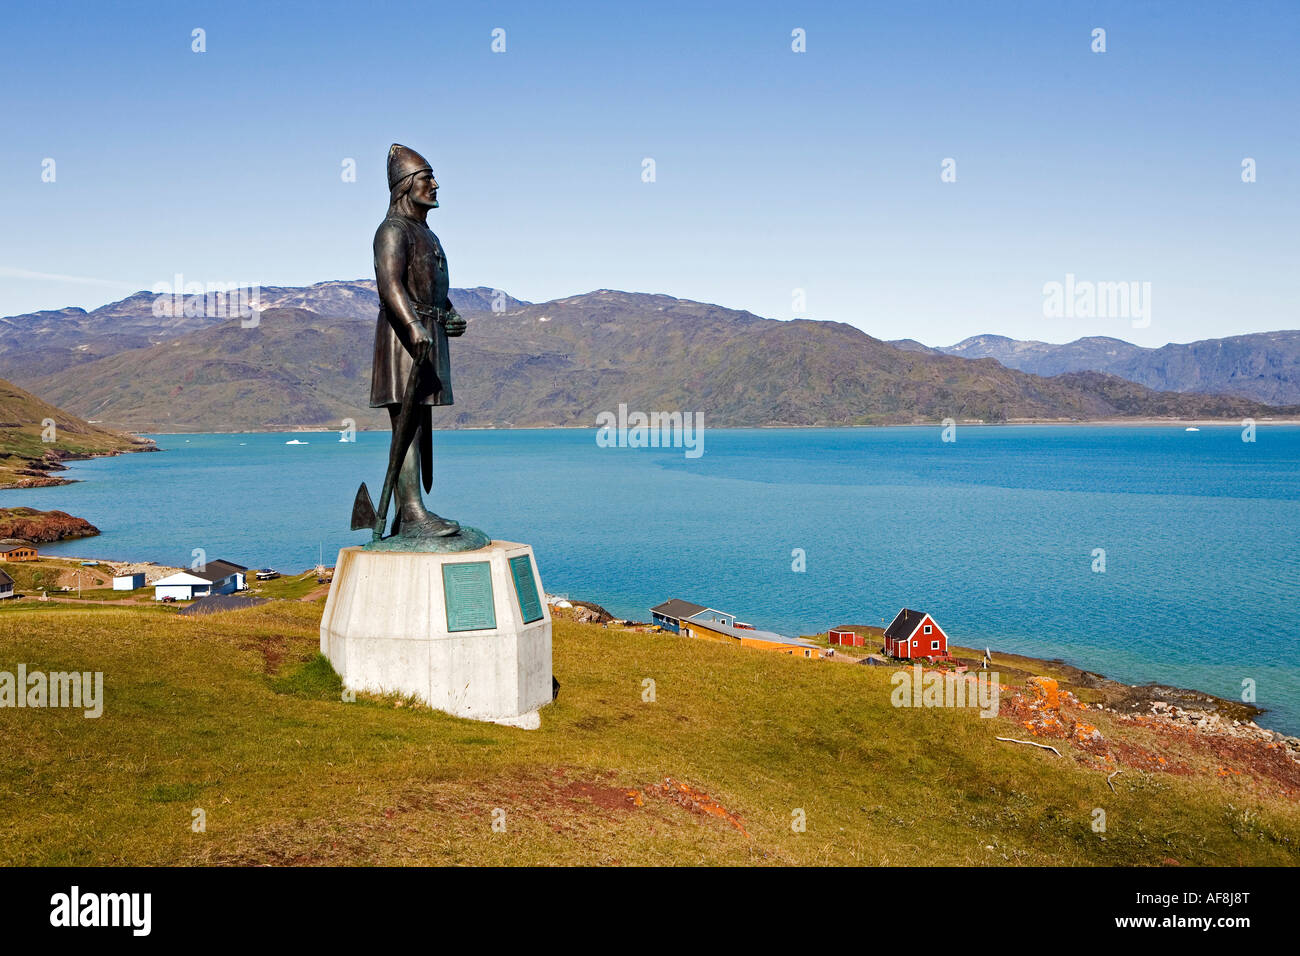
point(43, 572)
point(288, 587)
point(237, 714)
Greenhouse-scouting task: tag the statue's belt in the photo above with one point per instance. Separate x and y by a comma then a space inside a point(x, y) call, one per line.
point(438, 315)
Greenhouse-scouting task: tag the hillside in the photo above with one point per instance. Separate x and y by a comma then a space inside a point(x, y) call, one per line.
point(43, 343)
point(236, 715)
point(562, 362)
point(26, 459)
point(1264, 366)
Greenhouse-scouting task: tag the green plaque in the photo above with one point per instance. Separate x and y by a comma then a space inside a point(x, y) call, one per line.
point(521, 569)
point(468, 590)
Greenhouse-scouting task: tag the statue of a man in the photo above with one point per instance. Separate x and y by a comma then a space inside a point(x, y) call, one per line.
point(415, 320)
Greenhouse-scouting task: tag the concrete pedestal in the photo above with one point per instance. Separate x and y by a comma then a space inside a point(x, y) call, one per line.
point(468, 633)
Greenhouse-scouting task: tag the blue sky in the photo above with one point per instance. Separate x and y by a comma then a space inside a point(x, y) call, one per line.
point(775, 170)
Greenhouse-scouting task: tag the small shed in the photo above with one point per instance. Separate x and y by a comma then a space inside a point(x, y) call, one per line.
point(851, 635)
point(128, 582)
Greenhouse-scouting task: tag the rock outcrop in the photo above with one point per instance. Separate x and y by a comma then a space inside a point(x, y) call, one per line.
point(37, 527)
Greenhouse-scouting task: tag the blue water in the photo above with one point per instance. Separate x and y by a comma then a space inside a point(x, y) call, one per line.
point(993, 534)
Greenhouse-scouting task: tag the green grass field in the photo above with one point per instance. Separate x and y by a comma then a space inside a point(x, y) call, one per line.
point(237, 716)
point(290, 587)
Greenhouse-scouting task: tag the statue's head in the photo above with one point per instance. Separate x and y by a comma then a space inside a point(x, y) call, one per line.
point(410, 175)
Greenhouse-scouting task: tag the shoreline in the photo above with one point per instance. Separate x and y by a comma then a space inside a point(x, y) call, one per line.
point(51, 481)
point(1135, 697)
point(972, 423)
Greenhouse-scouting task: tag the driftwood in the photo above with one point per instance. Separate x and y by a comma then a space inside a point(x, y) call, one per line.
point(1108, 779)
point(1012, 740)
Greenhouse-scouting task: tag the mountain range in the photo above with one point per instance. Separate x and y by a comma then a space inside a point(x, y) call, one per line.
point(1264, 366)
point(306, 363)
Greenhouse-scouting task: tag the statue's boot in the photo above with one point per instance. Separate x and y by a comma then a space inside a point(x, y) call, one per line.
point(428, 525)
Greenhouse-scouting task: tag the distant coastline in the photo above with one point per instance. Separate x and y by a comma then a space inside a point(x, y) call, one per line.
point(1106, 422)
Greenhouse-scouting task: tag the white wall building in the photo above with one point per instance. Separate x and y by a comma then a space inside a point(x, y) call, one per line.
point(217, 577)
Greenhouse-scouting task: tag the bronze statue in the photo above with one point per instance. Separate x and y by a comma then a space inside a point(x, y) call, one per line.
point(412, 367)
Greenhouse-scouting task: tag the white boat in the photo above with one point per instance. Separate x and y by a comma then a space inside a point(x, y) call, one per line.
point(1191, 428)
point(294, 441)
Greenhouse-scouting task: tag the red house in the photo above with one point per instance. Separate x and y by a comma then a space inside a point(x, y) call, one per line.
point(849, 635)
point(914, 634)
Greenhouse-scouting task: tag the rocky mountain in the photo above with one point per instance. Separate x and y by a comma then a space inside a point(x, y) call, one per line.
point(564, 361)
point(1264, 366)
point(42, 343)
point(36, 437)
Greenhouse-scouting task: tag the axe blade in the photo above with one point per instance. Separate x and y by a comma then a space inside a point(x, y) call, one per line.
point(363, 510)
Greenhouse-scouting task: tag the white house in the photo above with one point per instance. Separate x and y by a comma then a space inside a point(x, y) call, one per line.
point(6, 586)
point(217, 577)
point(128, 582)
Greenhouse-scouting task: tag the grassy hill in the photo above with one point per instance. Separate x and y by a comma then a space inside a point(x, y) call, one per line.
point(235, 714)
point(563, 362)
point(26, 458)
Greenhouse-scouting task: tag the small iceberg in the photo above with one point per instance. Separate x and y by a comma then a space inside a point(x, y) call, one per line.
point(294, 441)
point(1191, 428)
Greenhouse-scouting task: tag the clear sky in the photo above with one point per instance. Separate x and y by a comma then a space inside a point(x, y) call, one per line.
point(774, 170)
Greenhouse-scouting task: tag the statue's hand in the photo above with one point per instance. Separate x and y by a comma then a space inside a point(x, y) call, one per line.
point(454, 325)
point(420, 344)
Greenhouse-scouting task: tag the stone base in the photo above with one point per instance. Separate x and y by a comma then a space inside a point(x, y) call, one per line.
point(468, 633)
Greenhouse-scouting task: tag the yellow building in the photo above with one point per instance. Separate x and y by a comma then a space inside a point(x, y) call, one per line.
point(710, 630)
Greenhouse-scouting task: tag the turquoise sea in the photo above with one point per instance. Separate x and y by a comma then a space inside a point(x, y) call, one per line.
point(994, 533)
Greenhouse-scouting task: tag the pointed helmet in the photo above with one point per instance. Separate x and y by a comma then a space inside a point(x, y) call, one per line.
point(402, 162)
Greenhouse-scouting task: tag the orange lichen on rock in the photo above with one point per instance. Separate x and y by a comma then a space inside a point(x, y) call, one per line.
point(1088, 738)
point(1038, 708)
point(1041, 709)
point(1045, 689)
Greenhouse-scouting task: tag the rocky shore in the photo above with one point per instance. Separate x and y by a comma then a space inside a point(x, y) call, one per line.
point(31, 526)
point(28, 472)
